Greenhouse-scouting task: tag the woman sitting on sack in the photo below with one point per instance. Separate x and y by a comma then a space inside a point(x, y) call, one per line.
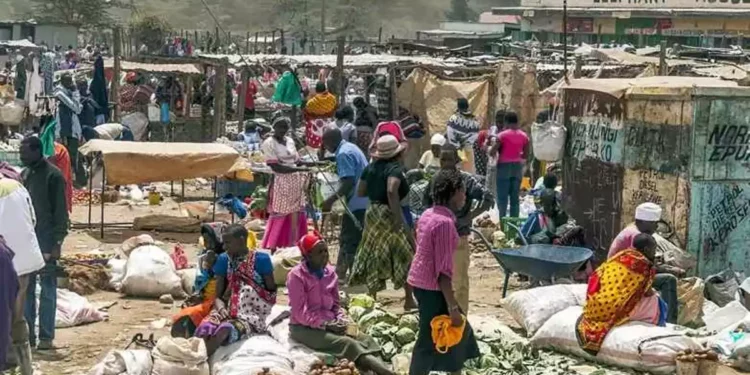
point(620, 291)
point(317, 320)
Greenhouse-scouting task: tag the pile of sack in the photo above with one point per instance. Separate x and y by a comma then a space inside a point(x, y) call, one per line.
point(145, 270)
point(549, 316)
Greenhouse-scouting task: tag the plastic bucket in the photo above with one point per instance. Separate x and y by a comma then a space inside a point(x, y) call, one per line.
point(687, 368)
point(154, 198)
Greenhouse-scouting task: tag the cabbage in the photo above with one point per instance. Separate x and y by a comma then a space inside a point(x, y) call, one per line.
point(405, 336)
point(356, 312)
point(362, 300)
point(381, 330)
point(484, 348)
point(376, 316)
point(489, 361)
point(409, 321)
point(389, 350)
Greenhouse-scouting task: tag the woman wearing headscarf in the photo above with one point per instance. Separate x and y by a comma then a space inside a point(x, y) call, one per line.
point(250, 294)
point(317, 320)
point(387, 243)
point(431, 275)
point(288, 191)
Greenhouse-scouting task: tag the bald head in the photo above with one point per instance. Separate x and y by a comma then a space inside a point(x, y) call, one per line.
point(332, 139)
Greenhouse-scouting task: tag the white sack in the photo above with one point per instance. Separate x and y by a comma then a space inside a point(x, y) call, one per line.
point(178, 356)
point(187, 277)
point(636, 345)
point(725, 316)
point(531, 308)
point(124, 362)
point(117, 272)
point(251, 356)
point(302, 356)
point(74, 310)
point(548, 140)
point(150, 273)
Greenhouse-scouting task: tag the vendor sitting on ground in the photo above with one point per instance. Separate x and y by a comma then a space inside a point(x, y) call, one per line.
point(620, 291)
point(242, 310)
point(109, 132)
point(647, 217)
point(209, 282)
point(550, 224)
point(317, 320)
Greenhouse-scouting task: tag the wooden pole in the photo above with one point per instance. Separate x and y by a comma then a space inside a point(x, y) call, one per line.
point(579, 67)
point(323, 26)
point(599, 37)
point(255, 47)
point(273, 41)
point(663, 69)
point(247, 43)
point(115, 86)
point(380, 35)
point(282, 48)
point(245, 77)
point(340, 68)
point(216, 37)
point(188, 96)
point(394, 102)
point(220, 100)
point(195, 36)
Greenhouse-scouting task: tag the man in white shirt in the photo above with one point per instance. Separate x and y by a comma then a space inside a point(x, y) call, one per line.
point(108, 132)
point(18, 218)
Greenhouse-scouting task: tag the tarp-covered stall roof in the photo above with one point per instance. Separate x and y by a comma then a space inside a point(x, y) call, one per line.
point(350, 61)
point(661, 85)
point(142, 162)
point(154, 68)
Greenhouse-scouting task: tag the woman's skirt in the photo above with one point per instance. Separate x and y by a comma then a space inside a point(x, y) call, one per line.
point(383, 254)
point(339, 346)
point(425, 358)
point(287, 221)
point(279, 230)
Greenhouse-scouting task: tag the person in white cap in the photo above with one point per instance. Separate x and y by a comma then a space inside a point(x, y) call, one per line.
point(647, 217)
point(431, 158)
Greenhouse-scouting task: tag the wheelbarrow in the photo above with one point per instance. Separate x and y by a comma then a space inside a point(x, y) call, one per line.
point(543, 262)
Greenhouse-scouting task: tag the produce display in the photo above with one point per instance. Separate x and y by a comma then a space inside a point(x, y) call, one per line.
point(86, 258)
point(81, 197)
point(696, 356)
point(501, 355)
point(342, 367)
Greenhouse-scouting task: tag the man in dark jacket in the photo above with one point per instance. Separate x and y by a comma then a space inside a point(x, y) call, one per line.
point(46, 187)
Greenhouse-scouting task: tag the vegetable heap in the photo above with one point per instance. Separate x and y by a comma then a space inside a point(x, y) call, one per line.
point(342, 367)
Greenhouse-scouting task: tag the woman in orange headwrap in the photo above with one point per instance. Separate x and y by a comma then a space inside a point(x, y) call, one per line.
point(317, 320)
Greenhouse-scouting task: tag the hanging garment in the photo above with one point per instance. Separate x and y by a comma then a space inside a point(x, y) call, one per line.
point(98, 91)
point(34, 86)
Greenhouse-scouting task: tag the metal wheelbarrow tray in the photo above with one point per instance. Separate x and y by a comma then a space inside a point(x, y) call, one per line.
point(539, 261)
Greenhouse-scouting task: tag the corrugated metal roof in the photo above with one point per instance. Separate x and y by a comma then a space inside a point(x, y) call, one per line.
point(154, 68)
point(659, 85)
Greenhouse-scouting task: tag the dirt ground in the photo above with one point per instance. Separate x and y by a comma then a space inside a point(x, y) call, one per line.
point(86, 345)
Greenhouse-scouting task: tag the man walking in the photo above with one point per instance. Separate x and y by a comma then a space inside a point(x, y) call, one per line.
point(46, 186)
point(350, 162)
point(475, 191)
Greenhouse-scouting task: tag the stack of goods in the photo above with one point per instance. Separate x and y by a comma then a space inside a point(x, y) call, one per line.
point(87, 273)
point(82, 197)
point(342, 367)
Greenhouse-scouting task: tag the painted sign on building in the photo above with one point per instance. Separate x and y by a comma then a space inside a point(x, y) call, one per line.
point(580, 25)
point(647, 4)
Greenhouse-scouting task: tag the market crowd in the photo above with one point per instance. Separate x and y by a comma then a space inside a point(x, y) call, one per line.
point(417, 240)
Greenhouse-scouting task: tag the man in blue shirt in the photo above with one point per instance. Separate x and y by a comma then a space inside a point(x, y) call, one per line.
point(350, 162)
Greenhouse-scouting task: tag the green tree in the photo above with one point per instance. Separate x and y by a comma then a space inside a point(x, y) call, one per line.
point(460, 11)
point(80, 13)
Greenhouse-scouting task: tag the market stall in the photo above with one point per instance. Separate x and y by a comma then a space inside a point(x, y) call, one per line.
point(141, 162)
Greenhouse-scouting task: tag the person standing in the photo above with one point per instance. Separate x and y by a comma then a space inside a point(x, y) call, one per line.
point(46, 187)
point(431, 276)
point(17, 233)
point(8, 294)
point(345, 121)
point(474, 191)
point(486, 145)
point(350, 163)
point(250, 92)
point(69, 128)
point(647, 217)
point(512, 149)
point(463, 130)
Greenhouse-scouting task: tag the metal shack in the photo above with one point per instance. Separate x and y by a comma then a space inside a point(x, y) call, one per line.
point(680, 142)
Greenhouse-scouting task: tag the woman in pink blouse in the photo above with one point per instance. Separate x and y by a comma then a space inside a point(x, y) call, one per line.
point(431, 277)
point(317, 320)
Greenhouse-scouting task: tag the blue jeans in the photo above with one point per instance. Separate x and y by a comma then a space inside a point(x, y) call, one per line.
point(47, 303)
point(509, 177)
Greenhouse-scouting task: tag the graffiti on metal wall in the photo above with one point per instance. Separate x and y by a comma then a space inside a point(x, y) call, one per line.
point(594, 137)
point(729, 142)
point(724, 216)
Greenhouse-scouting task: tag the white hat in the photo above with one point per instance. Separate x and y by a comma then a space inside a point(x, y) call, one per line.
point(387, 147)
point(437, 140)
point(648, 212)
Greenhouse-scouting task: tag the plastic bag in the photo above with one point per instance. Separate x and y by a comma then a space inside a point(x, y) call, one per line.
point(531, 308)
point(11, 114)
point(150, 273)
point(74, 310)
point(251, 356)
point(117, 272)
point(548, 140)
point(178, 356)
point(179, 258)
point(690, 297)
point(636, 345)
point(127, 362)
point(722, 287)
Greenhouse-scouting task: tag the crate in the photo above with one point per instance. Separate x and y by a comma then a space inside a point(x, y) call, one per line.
point(11, 157)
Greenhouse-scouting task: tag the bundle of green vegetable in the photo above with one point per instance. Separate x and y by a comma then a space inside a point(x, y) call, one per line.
point(259, 199)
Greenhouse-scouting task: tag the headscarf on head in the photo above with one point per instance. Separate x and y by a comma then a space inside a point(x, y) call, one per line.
point(306, 244)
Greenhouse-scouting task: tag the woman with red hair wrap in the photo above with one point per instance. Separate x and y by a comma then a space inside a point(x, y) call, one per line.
point(317, 320)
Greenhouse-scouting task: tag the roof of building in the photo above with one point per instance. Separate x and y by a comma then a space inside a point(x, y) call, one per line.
point(350, 61)
point(463, 34)
point(489, 17)
point(658, 85)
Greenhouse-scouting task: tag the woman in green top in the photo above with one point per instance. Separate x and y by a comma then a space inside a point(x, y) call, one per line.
point(387, 246)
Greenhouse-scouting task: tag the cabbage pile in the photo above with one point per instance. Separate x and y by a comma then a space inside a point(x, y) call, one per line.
point(394, 334)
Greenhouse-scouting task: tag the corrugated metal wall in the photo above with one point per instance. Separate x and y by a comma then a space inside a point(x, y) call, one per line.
point(622, 152)
point(719, 225)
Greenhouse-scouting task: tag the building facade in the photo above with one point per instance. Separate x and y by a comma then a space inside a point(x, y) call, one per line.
point(707, 23)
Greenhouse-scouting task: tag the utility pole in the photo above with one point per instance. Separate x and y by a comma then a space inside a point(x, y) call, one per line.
point(323, 26)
